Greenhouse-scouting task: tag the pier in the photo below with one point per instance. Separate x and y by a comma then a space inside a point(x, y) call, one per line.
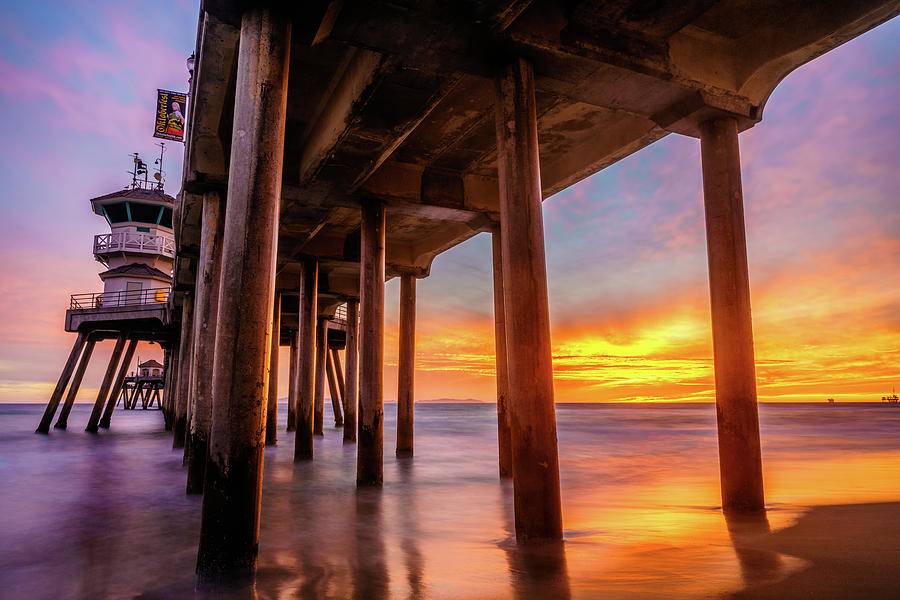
point(335, 145)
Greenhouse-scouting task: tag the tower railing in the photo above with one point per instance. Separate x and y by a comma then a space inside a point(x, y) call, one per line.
point(127, 241)
point(155, 297)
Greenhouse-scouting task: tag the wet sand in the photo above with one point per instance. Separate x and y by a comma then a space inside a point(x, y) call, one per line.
point(853, 551)
point(106, 516)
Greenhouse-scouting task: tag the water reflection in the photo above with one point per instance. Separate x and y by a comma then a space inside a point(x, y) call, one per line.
point(408, 517)
point(535, 570)
point(370, 572)
point(757, 565)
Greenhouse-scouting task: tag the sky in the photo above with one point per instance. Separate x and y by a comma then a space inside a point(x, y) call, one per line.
point(626, 253)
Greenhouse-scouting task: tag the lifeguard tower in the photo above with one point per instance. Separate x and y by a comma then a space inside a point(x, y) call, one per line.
point(144, 386)
point(138, 253)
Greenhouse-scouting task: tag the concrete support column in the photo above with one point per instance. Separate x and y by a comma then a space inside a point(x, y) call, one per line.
point(292, 385)
point(406, 366)
point(61, 383)
point(117, 384)
point(183, 388)
point(321, 353)
point(369, 453)
point(503, 442)
point(272, 408)
point(171, 384)
point(106, 384)
point(336, 398)
point(532, 417)
point(740, 459)
point(306, 359)
point(339, 375)
point(206, 306)
point(63, 419)
point(229, 530)
point(350, 381)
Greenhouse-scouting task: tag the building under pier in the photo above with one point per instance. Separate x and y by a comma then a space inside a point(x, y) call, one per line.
point(332, 145)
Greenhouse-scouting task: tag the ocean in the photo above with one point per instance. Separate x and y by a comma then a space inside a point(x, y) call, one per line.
point(105, 516)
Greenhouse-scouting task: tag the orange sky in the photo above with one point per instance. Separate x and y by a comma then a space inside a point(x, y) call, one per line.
point(626, 248)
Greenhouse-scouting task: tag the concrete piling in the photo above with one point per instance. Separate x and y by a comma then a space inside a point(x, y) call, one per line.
point(503, 442)
point(292, 385)
point(62, 382)
point(183, 386)
point(321, 353)
point(350, 376)
point(206, 304)
point(740, 457)
point(369, 456)
point(106, 383)
point(229, 530)
point(532, 417)
point(272, 408)
point(306, 360)
point(406, 366)
point(116, 389)
point(336, 398)
point(63, 419)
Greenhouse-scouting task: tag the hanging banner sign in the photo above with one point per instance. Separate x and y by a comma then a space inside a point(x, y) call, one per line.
point(170, 115)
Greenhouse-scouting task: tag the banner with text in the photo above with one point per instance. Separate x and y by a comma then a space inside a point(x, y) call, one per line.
point(170, 115)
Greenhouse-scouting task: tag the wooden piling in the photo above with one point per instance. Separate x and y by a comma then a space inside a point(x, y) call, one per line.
point(350, 377)
point(339, 375)
point(306, 359)
point(740, 457)
point(61, 383)
point(369, 456)
point(106, 384)
point(406, 365)
point(532, 417)
point(229, 529)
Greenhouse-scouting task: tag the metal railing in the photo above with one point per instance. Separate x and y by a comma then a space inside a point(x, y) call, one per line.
point(340, 313)
point(126, 241)
point(152, 297)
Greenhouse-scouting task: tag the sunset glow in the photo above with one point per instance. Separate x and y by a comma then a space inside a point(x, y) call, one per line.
point(626, 247)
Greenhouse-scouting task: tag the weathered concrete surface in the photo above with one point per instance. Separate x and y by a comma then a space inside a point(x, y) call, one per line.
point(272, 407)
point(531, 410)
point(369, 454)
point(350, 377)
point(229, 531)
point(183, 385)
point(306, 366)
point(205, 314)
point(321, 353)
point(740, 458)
point(504, 450)
point(406, 365)
point(292, 383)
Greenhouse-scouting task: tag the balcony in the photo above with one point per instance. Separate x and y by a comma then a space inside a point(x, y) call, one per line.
point(126, 241)
point(153, 298)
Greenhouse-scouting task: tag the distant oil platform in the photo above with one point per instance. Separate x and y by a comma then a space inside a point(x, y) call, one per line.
point(139, 254)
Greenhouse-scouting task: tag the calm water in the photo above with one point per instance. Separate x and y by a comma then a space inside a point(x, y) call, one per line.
point(105, 516)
